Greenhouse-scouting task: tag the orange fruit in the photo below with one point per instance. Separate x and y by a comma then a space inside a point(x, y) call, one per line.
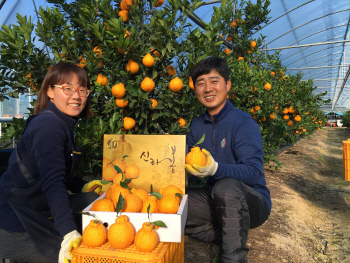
point(190, 83)
point(146, 238)
point(148, 60)
point(117, 178)
point(132, 171)
point(286, 117)
point(121, 164)
point(109, 172)
point(256, 108)
point(118, 90)
point(124, 14)
point(272, 116)
point(140, 193)
point(82, 62)
point(128, 123)
point(182, 122)
point(116, 191)
point(297, 118)
point(267, 86)
point(97, 51)
point(291, 109)
point(102, 80)
point(227, 51)
point(253, 44)
point(121, 103)
point(159, 3)
point(147, 84)
point(155, 52)
point(285, 111)
point(175, 84)
point(132, 66)
point(154, 103)
point(103, 205)
point(171, 190)
point(168, 204)
point(132, 203)
point(171, 71)
point(121, 234)
point(233, 24)
point(152, 202)
point(290, 123)
point(94, 234)
point(240, 58)
point(108, 194)
point(196, 156)
point(272, 73)
point(228, 38)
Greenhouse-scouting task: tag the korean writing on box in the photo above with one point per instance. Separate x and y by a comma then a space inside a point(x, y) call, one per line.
point(145, 156)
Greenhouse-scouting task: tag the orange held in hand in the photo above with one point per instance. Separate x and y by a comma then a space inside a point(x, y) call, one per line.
point(146, 239)
point(121, 234)
point(196, 156)
point(95, 234)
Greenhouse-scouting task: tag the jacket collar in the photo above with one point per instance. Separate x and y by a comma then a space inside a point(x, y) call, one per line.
point(222, 113)
point(67, 119)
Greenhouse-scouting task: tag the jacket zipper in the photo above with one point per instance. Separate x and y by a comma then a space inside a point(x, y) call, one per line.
point(214, 136)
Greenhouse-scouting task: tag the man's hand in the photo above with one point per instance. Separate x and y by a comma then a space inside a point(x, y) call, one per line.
point(70, 241)
point(94, 186)
point(201, 171)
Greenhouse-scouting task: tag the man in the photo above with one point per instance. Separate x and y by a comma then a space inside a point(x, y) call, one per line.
point(235, 198)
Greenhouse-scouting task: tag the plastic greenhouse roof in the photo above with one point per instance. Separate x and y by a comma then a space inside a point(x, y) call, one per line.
point(312, 37)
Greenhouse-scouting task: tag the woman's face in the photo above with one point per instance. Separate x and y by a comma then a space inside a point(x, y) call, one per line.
point(71, 105)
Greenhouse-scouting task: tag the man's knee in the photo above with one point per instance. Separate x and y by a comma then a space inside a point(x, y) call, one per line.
point(227, 185)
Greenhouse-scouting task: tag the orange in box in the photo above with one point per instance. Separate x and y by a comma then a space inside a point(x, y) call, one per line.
point(163, 253)
point(161, 159)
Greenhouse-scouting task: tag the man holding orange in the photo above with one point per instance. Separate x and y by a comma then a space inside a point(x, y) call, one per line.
point(235, 198)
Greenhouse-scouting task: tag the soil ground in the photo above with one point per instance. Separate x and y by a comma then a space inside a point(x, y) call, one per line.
point(309, 221)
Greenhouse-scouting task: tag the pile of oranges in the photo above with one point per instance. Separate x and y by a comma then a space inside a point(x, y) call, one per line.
point(121, 234)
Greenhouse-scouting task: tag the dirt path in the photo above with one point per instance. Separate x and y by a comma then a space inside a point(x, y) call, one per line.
point(310, 217)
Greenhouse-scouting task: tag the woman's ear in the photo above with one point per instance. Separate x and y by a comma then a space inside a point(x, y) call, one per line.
point(50, 93)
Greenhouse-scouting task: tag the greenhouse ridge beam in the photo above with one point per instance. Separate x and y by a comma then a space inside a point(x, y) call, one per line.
point(306, 45)
point(336, 66)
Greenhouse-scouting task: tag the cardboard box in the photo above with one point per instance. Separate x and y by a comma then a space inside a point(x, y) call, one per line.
point(161, 160)
point(175, 222)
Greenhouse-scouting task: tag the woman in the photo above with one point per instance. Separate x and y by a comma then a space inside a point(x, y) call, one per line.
point(38, 218)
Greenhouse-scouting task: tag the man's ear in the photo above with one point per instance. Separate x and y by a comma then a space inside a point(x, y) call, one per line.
point(228, 85)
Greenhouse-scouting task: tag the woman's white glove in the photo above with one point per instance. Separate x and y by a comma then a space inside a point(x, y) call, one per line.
point(201, 171)
point(70, 241)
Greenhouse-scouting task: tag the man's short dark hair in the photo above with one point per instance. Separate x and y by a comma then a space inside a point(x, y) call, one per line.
point(207, 65)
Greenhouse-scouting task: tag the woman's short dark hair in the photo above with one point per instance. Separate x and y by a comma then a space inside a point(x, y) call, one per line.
point(60, 73)
point(207, 65)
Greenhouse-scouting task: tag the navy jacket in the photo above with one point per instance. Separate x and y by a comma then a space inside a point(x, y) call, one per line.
point(45, 149)
point(235, 142)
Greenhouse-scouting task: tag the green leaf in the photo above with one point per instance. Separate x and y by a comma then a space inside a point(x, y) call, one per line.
point(200, 140)
point(105, 182)
point(151, 188)
point(117, 168)
point(179, 196)
point(156, 194)
point(120, 203)
point(159, 223)
point(124, 185)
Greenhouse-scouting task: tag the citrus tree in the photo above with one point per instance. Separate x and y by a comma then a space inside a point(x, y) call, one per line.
point(139, 55)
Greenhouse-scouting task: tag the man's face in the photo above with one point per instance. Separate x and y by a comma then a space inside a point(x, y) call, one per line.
point(211, 90)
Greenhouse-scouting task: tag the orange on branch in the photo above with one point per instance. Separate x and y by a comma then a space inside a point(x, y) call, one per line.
point(267, 86)
point(148, 60)
point(181, 122)
point(132, 66)
point(159, 3)
point(147, 85)
point(128, 123)
point(102, 80)
point(154, 103)
point(118, 90)
point(171, 71)
point(124, 14)
point(176, 84)
point(190, 83)
point(121, 103)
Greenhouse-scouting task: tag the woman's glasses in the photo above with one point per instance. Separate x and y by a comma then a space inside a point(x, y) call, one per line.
point(70, 90)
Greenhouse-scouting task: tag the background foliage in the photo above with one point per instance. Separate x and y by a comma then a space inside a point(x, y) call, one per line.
point(93, 35)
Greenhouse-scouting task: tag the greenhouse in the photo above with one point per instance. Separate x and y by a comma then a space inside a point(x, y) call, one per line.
point(136, 78)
